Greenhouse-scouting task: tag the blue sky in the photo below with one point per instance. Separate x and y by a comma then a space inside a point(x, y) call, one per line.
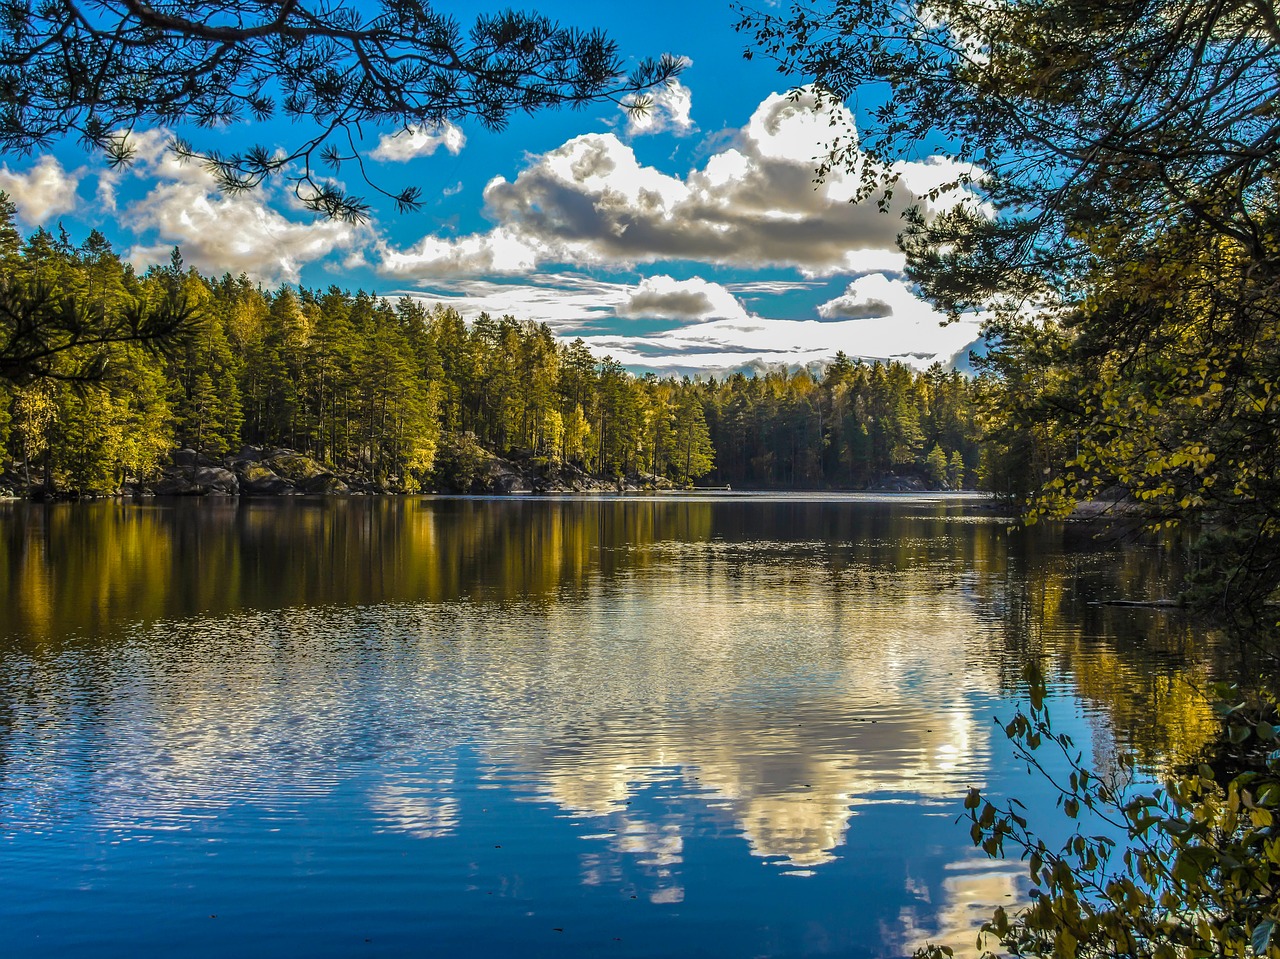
point(693, 242)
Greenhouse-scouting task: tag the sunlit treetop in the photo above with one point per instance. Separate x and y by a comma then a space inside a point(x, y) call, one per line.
point(94, 69)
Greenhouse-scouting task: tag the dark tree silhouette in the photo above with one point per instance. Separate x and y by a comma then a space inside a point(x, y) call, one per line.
point(93, 69)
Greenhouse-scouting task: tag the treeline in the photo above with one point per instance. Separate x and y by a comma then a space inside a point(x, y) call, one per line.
point(379, 389)
point(856, 425)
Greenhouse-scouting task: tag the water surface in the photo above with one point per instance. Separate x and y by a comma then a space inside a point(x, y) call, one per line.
point(696, 726)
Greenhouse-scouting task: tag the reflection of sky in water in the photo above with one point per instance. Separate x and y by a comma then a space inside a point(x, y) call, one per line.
point(973, 888)
point(647, 737)
point(789, 712)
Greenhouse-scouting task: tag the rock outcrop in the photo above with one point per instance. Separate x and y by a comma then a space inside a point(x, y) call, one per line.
point(256, 479)
point(251, 471)
point(216, 479)
point(464, 466)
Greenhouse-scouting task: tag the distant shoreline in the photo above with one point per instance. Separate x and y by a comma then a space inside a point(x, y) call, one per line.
point(271, 473)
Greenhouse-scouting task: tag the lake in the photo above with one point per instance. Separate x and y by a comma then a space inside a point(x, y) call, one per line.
point(684, 726)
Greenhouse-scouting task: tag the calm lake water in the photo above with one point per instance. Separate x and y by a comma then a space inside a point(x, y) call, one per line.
point(730, 726)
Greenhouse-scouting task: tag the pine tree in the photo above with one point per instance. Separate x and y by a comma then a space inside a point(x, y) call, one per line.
point(935, 465)
point(694, 453)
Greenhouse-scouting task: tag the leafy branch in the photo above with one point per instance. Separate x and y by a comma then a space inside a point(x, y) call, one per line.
point(1191, 868)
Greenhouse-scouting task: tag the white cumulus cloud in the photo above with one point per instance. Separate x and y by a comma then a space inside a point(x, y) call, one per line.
point(591, 203)
point(666, 110)
point(572, 303)
point(869, 298)
point(41, 193)
point(418, 141)
point(498, 251)
point(663, 297)
point(239, 233)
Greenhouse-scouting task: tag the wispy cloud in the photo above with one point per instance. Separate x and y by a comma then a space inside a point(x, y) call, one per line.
point(708, 328)
point(419, 141)
point(567, 302)
point(762, 342)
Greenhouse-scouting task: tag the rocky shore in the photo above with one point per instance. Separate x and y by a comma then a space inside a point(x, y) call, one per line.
point(461, 468)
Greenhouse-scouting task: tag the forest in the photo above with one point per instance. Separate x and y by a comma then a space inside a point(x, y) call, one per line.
point(399, 394)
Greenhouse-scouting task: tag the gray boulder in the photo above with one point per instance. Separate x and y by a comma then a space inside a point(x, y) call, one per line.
point(295, 467)
point(322, 483)
point(247, 454)
point(306, 474)
point(255, 478)
point(215, 479)
point(186, 458)
point(177, 485)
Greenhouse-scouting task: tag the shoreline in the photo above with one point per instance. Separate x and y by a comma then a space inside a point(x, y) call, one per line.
point(255, 473)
